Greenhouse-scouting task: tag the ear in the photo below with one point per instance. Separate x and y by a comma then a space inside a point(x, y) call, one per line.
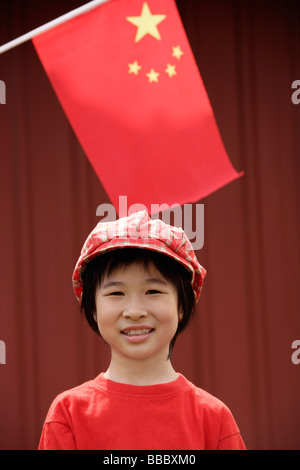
point(95, 316)
point(180, 315)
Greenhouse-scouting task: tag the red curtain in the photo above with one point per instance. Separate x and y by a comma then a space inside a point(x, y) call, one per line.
point(239, 346)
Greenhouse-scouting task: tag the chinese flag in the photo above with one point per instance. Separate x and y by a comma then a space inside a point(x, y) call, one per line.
point(129, 85)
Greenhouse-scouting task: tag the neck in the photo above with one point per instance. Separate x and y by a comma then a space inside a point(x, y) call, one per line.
point(144, 372)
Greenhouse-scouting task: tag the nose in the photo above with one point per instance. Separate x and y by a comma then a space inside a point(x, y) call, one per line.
point(134, 311)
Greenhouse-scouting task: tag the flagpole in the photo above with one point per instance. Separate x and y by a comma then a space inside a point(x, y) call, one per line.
point(41, 29)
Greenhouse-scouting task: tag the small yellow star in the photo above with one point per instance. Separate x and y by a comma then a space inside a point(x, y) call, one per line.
point(146, 23)
point(134, 67)
point(170, 70)
point(152, 75)
point(177, 52)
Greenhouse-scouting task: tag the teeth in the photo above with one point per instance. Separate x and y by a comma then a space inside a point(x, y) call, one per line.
point(143, 331)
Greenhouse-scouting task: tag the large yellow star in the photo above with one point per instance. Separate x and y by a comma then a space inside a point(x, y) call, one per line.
point(146, 23)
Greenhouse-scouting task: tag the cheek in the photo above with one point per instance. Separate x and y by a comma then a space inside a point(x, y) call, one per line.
point(170, 316)
point(103, 317)
point(105, 328)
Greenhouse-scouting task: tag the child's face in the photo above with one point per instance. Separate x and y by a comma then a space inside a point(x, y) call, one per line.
point(137, 312)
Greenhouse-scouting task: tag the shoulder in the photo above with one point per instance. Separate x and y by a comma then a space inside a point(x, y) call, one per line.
point(204, 398)
point(211, 409)
point(65, 403)
point(221, 430)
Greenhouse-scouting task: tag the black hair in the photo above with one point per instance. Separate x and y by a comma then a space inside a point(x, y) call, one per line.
point(103, 265)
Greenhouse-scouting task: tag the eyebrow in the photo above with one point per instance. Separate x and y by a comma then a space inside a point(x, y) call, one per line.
point(156, 280)
point(149, 280)
point(112, 283)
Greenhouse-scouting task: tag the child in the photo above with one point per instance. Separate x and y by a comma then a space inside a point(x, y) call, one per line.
point(137, 281)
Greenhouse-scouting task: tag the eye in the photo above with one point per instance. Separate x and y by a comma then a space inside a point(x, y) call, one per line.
point(153, 291)
point(116, 293)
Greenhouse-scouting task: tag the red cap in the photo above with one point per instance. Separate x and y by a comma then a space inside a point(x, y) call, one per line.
point(139, 231)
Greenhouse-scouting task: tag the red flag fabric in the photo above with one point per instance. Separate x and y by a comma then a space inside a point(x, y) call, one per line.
point(128, 82)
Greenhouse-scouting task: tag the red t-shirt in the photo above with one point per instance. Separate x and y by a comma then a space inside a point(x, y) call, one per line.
point(102, 414)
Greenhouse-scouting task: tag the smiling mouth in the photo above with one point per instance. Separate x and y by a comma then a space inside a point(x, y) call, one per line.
point(135, 332)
